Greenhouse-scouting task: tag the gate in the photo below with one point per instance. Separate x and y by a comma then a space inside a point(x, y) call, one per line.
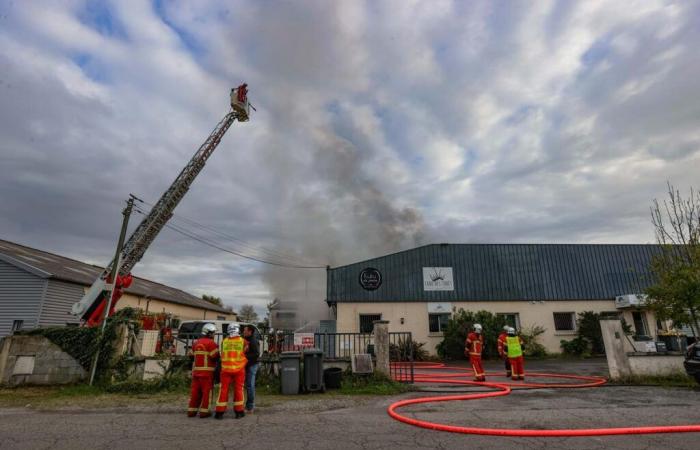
point(401, 356)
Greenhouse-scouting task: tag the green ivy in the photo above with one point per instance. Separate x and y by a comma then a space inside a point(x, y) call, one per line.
point(82, 342)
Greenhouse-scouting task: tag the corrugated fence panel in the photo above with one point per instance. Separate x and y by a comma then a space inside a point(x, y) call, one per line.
point(20, 297)
point(59, 298)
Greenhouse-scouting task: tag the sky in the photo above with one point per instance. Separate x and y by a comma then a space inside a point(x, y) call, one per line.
point(380, 126)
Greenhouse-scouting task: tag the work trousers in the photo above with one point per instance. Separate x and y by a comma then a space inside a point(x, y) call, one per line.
point(507, 365)
point(517, 365)
point(475, 361)
point(228, 378)
point(199, 395)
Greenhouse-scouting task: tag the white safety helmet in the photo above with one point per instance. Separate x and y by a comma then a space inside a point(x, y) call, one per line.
point(234, 330)
point(506, 328)
point(208, 328)
point(511, 331)
point(477, 328)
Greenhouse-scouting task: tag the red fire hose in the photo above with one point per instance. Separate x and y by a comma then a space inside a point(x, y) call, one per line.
point(452, 375)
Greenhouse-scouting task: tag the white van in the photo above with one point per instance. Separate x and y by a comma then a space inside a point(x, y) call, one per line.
point(190, 330)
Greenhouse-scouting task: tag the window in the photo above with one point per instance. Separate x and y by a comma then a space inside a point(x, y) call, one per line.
point(565, 321)
point(17, 325)
point(367, 322)
point(512, 319)
point(640, 323)
point(438, 322)
point(220, 317)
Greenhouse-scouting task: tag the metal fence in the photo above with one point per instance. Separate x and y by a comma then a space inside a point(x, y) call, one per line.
point(335, 347)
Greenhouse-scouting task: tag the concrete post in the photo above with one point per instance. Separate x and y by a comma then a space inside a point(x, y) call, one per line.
point(615, 348)
point(381, 346)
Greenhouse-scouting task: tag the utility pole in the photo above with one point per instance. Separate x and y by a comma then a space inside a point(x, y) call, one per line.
point(113, 277)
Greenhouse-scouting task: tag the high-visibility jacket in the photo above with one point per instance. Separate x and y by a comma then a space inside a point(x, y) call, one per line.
point(475, 344)
point(502, 343)
point(515, 348)
point(233, 354)
point(205, 353)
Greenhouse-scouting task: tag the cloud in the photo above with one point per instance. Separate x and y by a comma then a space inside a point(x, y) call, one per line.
point(380, 126)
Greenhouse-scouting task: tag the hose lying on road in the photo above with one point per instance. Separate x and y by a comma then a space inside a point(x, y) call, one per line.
point(460, 375)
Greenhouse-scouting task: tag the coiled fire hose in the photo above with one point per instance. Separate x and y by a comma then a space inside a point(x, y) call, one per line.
point(457, 375)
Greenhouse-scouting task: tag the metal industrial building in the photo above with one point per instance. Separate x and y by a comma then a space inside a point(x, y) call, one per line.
point(531, 284)
point(38, 289)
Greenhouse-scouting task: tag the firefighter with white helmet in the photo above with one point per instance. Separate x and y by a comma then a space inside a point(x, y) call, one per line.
point(205, 353)
point(514, 350)
point(473, 347)
point(502, 349)
point(233, 362)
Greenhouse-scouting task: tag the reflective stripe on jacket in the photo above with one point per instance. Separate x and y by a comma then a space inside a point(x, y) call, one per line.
point(205, 353)
point(514, 347)
point(475, 344)
point(233, 354)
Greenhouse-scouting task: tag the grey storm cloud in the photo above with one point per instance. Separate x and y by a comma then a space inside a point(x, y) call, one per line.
point(380, 126)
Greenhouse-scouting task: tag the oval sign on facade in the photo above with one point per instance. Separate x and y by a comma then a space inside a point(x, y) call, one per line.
point(370, 279)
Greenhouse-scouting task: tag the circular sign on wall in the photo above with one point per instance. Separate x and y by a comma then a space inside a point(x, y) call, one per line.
point(370, 279)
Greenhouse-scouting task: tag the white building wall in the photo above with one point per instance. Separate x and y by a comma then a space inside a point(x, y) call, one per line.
point(415, 316)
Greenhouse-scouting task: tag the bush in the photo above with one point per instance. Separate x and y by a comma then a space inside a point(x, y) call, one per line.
point(578, 346)
point(405, 348)
point(454, 335)
point(530, 337)
point(589, 329)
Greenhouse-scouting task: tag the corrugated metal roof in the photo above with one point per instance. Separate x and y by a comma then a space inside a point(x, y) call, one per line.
point(62, 268)
point(490, 272)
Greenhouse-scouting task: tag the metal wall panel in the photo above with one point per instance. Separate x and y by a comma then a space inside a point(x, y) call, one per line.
point(502, 272)
point(20, 297)
point(59, 299)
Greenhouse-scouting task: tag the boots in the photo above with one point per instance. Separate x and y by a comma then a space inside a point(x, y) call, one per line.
point(240, 414)
point(218, 415)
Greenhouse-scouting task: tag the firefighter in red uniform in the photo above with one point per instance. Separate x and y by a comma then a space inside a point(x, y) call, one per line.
point(514, 350)
point(473, 347)
point(502, 349)
point(233, 362)
point(205, 352)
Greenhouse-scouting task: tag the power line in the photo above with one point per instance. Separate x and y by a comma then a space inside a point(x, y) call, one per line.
point(260, 250)
point(204, 241)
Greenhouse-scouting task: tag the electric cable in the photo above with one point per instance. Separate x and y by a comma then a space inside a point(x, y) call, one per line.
point(190, 234)
point(260, 250)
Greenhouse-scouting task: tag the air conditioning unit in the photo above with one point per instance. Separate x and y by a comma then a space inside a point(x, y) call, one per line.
point(630, 301)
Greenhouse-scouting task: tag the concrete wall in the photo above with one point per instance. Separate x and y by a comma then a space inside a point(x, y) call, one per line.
point(655, 364)
point(415, 316)
point(182, 312)
point(36, 360)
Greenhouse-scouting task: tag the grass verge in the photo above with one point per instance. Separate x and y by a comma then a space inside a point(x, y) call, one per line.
point(679, 379)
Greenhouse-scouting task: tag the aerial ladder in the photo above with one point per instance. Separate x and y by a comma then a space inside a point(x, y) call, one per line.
point(91, 308)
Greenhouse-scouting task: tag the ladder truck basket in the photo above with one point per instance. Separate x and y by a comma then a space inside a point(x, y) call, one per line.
point(239, 103)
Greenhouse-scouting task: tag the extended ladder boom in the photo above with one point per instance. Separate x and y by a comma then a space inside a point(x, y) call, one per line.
point(92, 305)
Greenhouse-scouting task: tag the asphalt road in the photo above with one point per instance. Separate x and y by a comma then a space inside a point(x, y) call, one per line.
point(332, 422)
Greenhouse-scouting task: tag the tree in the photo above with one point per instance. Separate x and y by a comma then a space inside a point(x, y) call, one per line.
point(213, 300)
point(675, 294)
point(247, 314)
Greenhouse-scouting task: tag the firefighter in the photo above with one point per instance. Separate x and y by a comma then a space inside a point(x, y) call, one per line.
point(473, 347)
point(501, 349)
point(205, 353)
point(233, 362)
point(514, 350)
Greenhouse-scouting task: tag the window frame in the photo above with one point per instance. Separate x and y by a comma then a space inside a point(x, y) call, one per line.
point(378, 316)
point(17, 325)
point(516, 317)
point(441, 326)
point(572, 315)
